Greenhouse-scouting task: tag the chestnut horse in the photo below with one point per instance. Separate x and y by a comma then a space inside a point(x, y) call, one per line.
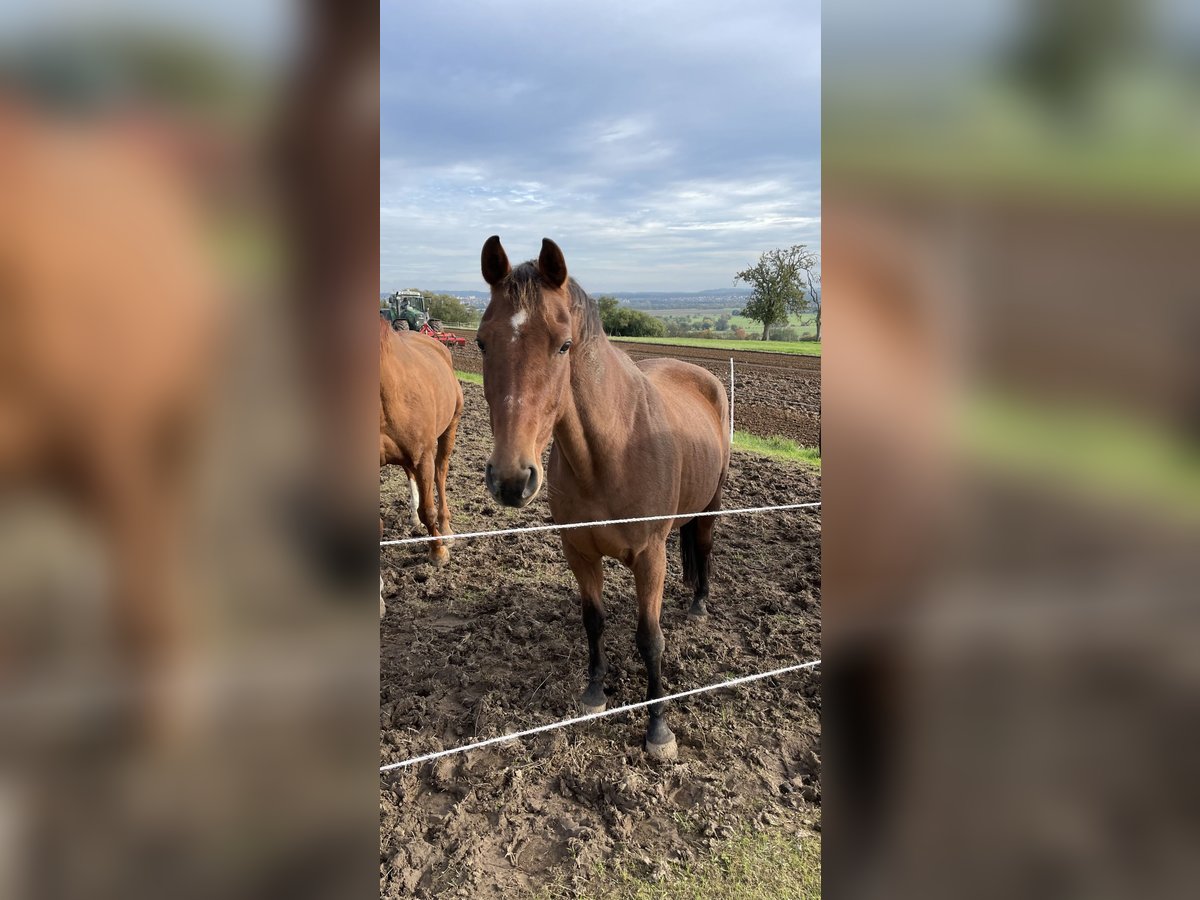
point(420, 403)
point(111, 317)
point(630, 440)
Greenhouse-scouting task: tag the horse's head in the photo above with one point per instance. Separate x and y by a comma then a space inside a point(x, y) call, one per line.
point(525, 337)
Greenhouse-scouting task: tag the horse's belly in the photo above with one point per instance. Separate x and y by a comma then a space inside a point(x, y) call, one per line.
point(703, 464)
point(698, 498)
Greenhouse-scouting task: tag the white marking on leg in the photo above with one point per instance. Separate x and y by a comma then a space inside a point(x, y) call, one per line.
point(414, 498)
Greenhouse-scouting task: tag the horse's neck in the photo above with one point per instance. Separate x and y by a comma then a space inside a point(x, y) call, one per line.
point(601, 414)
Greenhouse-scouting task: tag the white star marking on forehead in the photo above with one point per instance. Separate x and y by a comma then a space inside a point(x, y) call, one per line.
point(517, 321)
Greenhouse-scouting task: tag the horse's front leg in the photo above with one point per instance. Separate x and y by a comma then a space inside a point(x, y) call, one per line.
point(589, 573)
point(649, 571)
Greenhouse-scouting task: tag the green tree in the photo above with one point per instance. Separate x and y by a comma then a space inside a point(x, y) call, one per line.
point(621, 321)
point(676, 326)
point(779, 279)
point(1063, 49)
point(450, 309)
point(608, 309)
point(648, 325)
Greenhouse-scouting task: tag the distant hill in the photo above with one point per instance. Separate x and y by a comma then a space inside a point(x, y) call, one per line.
point(715, 298)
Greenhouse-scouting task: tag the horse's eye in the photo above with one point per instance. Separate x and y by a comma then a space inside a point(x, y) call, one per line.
point(565, 347)
point(479, 344)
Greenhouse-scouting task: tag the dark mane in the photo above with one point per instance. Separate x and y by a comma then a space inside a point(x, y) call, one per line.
point(525, 285)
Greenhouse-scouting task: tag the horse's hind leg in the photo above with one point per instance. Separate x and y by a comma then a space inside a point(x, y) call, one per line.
point(702, 544)
point(649, 572)
point(444, 451)
point(438, 554)
point(140, 510)
point(414, 501)
point(589, 573)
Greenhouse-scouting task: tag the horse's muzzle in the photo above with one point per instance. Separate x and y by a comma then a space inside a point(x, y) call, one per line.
point(515, 489)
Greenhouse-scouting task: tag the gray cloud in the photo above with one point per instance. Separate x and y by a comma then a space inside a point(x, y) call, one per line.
point(663, 145)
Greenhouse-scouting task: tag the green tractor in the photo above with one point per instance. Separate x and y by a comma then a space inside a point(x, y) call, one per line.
point(409, 311)
point(406, 310)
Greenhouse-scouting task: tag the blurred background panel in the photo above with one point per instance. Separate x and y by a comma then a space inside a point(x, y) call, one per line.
point(1012, 476)
point(188, 646)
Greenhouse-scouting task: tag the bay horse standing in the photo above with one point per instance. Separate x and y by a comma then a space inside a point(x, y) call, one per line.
point(420, 403)
point(630, 440)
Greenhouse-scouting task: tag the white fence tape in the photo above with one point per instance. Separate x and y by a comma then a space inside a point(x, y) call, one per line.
point(516, 735)
point(532, 528)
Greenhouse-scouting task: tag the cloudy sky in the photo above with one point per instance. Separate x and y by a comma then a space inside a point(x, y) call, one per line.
point(663, 145)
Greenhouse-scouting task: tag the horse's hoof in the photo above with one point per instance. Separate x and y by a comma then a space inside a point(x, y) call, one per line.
point(440, 557)
point(697, 613)
point(593, 700)
point(663, 752)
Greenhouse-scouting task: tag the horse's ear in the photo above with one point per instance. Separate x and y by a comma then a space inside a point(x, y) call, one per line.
point(494, 261)
point(551, 264)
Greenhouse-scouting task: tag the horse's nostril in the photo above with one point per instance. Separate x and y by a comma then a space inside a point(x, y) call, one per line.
point(531, 485)
point(489, 479)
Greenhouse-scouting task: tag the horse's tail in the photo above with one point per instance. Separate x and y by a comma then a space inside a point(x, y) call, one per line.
point(689, 550)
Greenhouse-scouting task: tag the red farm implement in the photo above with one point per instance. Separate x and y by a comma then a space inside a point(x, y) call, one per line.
point(434, 329)
point(407, 311)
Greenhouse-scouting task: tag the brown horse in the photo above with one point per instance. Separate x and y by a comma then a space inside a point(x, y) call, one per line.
point(420, 403)
point(630, 440)
point(111, 321)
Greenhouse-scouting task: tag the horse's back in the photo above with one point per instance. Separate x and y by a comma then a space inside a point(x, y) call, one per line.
point(419, 393)
point(692, 395)
point(112, 306)
point(421, 350)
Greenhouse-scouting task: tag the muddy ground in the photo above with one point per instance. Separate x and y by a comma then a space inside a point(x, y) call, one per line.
point(494, 643)
point(774, 393)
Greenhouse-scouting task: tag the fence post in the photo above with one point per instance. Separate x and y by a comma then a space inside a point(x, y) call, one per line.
point(731, 399)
